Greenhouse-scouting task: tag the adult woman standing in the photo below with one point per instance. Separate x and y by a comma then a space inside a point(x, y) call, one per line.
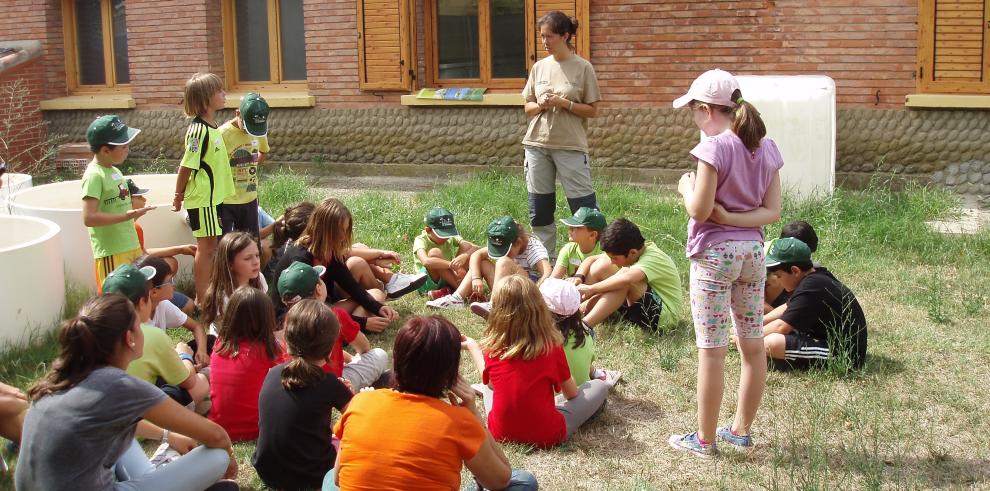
point(411, 437)
point(561, 94)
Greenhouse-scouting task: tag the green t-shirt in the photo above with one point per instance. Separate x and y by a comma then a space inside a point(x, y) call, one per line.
point(662, 276)
point(244, 151)
point(108, 186)
point(159, 359)
point(210, 182)
point(579, 359)
point(423, 242)
point(570, 256)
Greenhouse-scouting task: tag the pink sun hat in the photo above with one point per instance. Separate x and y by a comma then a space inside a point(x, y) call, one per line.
point(714, 87)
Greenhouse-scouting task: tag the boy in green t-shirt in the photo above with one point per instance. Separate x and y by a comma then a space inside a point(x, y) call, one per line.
point(440, 252)
point(107, 211)
point(246, 139)
point(584, 229)
point(634, 278)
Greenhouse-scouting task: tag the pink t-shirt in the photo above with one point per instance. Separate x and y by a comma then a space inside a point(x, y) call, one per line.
point(743, 179)
point(235, 383)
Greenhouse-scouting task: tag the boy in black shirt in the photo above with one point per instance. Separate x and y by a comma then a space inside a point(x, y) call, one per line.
point(822, 319)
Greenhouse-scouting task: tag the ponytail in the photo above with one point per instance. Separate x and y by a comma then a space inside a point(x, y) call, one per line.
point(87, 342)
point(746, 122)
point(311, 329)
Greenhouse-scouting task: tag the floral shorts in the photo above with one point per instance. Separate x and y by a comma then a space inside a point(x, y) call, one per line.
point(727, 278)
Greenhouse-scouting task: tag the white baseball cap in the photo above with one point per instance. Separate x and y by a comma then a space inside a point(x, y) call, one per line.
point(561, 296)
point(714, 87)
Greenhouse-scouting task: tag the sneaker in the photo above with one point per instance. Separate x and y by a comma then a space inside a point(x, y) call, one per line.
point(691, 443)
point(401, 284)
point(610, 377)
point(164, 455)
point(481, 309)
point(741, 442)
point(452, 301)
point(479, 389)
point(439, 292)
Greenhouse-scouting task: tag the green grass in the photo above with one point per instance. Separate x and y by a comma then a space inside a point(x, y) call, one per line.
point(913, 418)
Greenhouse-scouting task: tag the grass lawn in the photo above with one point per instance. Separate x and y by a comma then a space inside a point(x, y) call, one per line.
point(914, 418)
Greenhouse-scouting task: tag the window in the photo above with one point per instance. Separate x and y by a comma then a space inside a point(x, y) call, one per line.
point(952, 42)
point(96, 45)
point(264, 44)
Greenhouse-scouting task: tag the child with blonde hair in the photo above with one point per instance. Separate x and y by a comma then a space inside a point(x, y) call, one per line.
point(522, 361)
point(733, 193)
point(204, 179)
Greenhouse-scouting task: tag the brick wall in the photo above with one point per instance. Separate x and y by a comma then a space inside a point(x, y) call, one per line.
point(20, 95)
point(34, 20)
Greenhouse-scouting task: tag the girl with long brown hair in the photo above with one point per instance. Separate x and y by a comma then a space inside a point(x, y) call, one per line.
point(237, 263)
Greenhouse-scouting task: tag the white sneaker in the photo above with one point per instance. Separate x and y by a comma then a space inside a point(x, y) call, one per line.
point(164, 455)
point(401, 284)
point(482, 309)
point(610, 377)
point(452, 301)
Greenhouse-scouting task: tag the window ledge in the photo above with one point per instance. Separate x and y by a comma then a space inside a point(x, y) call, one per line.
point(293, 98)
point(91, 101)
point(959, 101)
point(487, 100)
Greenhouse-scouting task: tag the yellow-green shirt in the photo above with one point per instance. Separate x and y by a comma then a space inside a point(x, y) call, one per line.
point(108, 186)
point(423, 242)
point(570, 256)
point(159, 359)
point(663, 278)
point(210, 182)
point(245, 152)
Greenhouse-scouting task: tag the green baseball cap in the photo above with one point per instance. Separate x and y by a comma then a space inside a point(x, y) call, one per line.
point(441, 220)
point(298, 281)
point(109, 130)
point(501, 234)
point(254, 114)
point(586, 217)
point(129, 281)
point(787, 250)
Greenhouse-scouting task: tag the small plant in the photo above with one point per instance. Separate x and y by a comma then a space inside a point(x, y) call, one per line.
point(28, 158)
point(935, 301)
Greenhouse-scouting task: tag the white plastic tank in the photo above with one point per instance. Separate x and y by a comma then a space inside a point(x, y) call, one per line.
point(10, 183)
point(32, 279)
point(62, 203)
point(799, 112)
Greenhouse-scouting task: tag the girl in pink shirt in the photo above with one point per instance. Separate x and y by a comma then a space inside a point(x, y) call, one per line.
point(735, 191)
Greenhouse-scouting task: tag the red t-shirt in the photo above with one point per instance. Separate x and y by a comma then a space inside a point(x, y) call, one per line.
point(349, 329)
point(524, 409)
point(235, 383)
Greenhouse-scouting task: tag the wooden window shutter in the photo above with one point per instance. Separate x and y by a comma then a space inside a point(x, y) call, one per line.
point(385, 37)
point(574, 8)
point(952, 41)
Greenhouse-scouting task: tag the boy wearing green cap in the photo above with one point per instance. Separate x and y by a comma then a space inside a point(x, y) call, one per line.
point(584, 229)
point(821, 321)
point(246, 139)
point(441, 253)
point(107, 211)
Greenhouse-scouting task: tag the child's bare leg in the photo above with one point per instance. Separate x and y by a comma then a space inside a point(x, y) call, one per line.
point(601, 269)
point(752, 382)
point(362, 273)
point(775, 345)
point(201, 389)
point(206, 248)
point(375, 323)
point(711, 384)
point(12, 411)
point(601, 306)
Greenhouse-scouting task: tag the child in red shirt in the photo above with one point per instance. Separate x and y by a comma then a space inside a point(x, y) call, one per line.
point(524, 366)
point(245, 350)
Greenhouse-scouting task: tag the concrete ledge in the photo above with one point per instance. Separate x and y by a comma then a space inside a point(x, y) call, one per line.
point(93, 101)
point(275, 99)
point(25, 50)
point(948, 101)
point(487, 100)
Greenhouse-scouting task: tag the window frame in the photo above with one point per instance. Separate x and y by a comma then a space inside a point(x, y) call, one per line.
point(74, 85)
point(228, 14)
point(432, 54)
point(926, 84)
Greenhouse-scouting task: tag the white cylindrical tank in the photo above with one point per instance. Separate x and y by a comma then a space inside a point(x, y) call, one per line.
point(62, 203)
point(12, 182)
point(32, 279)
point(799, 112)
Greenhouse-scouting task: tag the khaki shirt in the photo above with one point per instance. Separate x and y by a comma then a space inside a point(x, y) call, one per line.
point(573, 79)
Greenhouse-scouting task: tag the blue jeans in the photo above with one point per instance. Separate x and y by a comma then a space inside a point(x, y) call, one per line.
point(520, 481)
point(196, 470)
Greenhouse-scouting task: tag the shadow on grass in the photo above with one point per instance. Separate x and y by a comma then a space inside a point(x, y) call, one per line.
point(877, 366)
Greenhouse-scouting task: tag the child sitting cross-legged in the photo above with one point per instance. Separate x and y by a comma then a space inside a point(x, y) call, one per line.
point(564, 302)
point(301, 281)
point(575, 258)
point(166, 315)
point(440, 252)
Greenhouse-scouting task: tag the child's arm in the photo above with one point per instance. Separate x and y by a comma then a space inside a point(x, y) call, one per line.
point(360, 343)
point(93, 217)
point(582, 271)
point(199, 334)
point(767, 213)
point(376, 256)
point(774, 314)
point(180, 187)
point(619, 280)
point(432, 262)
point(188, 249)
point(778, 326)
point(560, 269)
point(698, 191)
point(569, 389)
point(465, 247)
point(544, 267)
point(471, 346)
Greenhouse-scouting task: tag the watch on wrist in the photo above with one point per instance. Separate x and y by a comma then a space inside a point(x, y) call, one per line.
point(186, 357)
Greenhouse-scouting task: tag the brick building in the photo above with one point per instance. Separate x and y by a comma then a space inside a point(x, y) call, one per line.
point(910, 76)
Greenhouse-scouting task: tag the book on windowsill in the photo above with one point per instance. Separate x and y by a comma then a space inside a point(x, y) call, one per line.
point(453, 94)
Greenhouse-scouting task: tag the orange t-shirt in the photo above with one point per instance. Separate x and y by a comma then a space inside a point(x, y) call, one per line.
point(393, 440)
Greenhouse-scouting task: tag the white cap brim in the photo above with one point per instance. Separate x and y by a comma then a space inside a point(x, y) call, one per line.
point(683, 100)
point(320, 270)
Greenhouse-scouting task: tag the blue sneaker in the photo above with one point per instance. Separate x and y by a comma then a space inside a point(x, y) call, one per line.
point(691, 443)
point(741, 442)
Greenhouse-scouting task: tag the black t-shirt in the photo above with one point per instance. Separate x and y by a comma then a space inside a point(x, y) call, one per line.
point(294, 449)
point(822, 308)
point(337, 274)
